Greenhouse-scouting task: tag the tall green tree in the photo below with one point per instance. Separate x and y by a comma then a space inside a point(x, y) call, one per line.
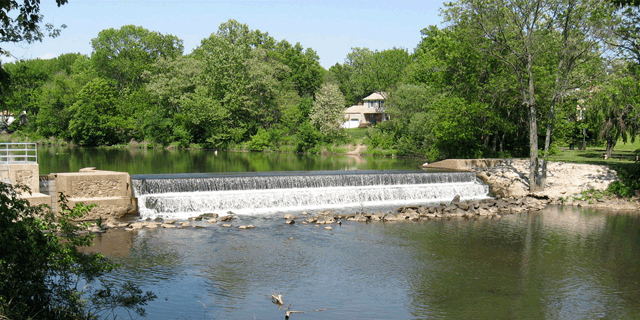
point(327, 111)
point(124, 54)
point(520, 34)
point(365, 71)
point(95, 119)
point(614, 108)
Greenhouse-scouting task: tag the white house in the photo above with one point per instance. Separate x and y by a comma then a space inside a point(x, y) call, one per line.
point(368, 113)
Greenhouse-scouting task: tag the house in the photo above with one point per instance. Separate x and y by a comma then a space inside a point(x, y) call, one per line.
point(370, 112)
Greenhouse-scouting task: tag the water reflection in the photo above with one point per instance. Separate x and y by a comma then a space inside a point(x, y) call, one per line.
point(562, 263)
point(150, 161)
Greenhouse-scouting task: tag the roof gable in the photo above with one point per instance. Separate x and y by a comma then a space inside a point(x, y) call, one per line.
point(376, 96)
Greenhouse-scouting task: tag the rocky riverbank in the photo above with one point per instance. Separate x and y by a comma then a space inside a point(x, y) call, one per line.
point(566, 184)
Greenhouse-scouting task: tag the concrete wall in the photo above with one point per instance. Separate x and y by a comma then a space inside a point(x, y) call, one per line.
point(111, 191)
point(464, 164)
point(25, 174)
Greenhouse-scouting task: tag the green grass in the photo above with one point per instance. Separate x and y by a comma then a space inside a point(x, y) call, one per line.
point(356, 135)
point(627, 167)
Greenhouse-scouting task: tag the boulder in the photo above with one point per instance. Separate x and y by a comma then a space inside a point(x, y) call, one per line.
point(226, 218)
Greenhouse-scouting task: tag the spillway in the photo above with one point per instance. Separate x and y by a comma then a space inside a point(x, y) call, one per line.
point(185, 195)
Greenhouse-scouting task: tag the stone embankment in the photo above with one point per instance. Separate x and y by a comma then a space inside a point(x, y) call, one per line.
point(566, 183)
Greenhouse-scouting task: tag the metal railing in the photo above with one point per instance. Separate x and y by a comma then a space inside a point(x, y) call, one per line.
point(18, 153)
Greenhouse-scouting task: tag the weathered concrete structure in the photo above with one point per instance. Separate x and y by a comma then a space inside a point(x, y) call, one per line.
point(463, 164)
point(111, 191)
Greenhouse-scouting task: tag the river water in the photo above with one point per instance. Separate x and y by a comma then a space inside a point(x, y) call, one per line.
point(560, 263)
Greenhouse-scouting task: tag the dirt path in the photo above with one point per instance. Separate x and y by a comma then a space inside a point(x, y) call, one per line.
point(358, 150)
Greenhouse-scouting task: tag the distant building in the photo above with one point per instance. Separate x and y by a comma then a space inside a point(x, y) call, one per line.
point(369, 113)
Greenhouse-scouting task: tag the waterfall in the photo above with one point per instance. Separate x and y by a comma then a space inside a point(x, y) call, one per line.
point(186, 195)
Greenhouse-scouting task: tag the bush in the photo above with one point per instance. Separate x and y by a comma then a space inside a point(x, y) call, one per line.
point(42, 273)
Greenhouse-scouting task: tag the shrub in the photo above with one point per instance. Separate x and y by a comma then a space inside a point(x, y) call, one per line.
point(43, 275)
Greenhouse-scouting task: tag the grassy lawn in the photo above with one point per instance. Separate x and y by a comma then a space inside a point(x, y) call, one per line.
point(356, 135)
point(594, 155)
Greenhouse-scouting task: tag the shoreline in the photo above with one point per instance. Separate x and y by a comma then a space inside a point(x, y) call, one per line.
point(573, 184)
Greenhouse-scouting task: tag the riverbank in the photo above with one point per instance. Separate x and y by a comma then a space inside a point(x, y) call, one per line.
point(566, 184)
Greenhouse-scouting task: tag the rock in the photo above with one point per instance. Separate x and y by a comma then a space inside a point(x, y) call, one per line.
point(136, 225)
point(226, 218)
point(209, 215)
point(213, 220)
point(198, 218)
point(359, 217)
point(168, 226)
point(328, 228)
point(289, 216)
point(326, 213)
point(226, 225)
point(185, 224)
point(456, 199)
point(462, 205)
point(312, 219)
point(304, 213)
point(325, 220)
point(377, 216)
point(391, 217)
point(290, 222)
point(170, 221)
point(242, 227)
point(96, 229)
point(250, 226)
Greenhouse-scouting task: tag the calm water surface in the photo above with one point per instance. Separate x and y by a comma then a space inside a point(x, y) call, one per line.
point(563, 263)
point(152, 161)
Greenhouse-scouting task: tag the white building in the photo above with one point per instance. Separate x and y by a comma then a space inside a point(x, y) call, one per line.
point(368, 113)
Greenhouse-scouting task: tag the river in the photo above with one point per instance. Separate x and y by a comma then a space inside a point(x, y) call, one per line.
point(560, 263)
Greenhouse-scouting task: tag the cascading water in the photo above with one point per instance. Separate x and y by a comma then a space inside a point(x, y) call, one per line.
point(185, 195)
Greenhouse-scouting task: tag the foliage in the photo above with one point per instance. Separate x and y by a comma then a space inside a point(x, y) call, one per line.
point(613, 108)
point(366, 71)
point(44, 276)
point(20, 22)
point(327, 111)
point(124, 54)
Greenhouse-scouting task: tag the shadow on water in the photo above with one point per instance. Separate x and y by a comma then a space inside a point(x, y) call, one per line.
point(562, 263)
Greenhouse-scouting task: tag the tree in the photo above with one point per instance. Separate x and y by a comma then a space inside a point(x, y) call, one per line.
point(24, 25)
point(528, 36)
point(124, 54)
point(327, 111)
point(95, 119)
point(42, 273)
point(366, 71)
point(614, 109)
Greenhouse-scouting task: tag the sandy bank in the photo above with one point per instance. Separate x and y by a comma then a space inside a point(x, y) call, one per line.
point(565, 181)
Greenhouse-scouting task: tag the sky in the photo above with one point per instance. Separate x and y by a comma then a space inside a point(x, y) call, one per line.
point(331, 28)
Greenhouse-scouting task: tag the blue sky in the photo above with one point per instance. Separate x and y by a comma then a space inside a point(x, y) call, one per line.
point(331, 28)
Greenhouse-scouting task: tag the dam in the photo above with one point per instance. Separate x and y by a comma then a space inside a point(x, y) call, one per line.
point(180, 196)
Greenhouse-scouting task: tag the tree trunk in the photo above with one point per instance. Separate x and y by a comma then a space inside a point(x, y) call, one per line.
point(547, 144)
point(533, 149)
point(611, 143)
point(534, 183)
